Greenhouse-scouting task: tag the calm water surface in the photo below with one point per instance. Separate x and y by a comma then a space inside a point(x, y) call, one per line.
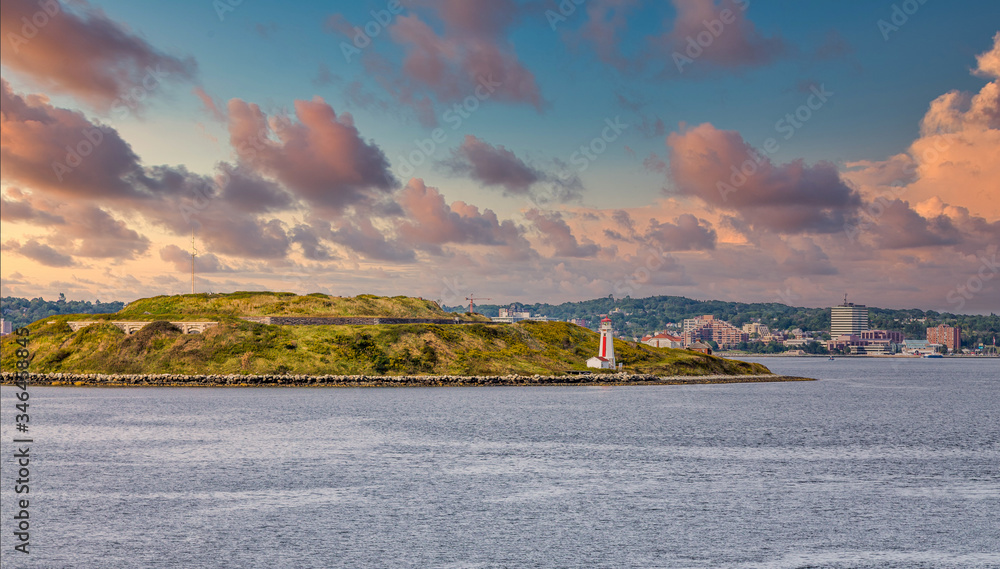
point(884, 463)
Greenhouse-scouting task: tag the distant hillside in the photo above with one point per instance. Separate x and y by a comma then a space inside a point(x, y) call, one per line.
point(238, 346)
point(638, 316)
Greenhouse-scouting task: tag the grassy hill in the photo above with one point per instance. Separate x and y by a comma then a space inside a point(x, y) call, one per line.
point(238, 346)
point(209, 306)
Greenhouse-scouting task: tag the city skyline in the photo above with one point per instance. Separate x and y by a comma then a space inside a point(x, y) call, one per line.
point(515, 150)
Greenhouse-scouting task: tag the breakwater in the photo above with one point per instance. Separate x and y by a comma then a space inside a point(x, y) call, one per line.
point(290, 380)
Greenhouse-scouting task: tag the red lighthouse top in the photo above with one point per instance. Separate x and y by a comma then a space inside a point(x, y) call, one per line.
point(606, 320)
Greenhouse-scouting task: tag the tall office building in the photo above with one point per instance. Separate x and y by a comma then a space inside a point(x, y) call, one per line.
point(848, 318)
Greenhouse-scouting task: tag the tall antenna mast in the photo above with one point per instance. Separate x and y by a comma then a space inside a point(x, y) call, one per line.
point(194, 253)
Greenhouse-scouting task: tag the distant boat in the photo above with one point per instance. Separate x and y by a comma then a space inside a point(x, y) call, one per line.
point(933, 356)
point(831, 358)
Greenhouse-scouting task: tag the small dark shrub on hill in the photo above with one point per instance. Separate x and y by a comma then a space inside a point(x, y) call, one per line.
point(141, 340)
point(157, 327)
point(429, 355)
point(58, 356)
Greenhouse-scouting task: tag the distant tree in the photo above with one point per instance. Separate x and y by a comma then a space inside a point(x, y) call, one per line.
point(654, 313)
point(21, 311)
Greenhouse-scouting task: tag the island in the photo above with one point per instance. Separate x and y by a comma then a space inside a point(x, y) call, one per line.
point(285, 339)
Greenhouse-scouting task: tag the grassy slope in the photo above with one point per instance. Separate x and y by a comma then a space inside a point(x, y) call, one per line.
point(237, 346)
point(207, 306)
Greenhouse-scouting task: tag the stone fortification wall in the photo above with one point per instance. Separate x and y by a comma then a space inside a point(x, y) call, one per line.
point(133, 327)
point(351, 320)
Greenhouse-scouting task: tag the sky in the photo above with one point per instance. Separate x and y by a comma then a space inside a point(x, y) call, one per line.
point(521, 151)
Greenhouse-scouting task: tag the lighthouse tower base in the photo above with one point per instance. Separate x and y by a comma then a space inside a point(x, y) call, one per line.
point(600, 363)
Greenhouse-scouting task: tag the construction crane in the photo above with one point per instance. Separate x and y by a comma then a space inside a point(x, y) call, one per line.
point(472, 299)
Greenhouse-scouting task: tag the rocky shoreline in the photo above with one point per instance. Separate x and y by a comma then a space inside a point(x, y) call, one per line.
point(176, 380)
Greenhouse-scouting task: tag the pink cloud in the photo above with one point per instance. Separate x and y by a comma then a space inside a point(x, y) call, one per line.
point(496, 166)
point(22, 210)
point(430, 223)
point(244, 236)
point(33, 145)
point(556, 233)
point(900, 227)
point(731, 40)
point(808, 260)
point(725, 172)
point(493, 166)
point(956, 158)
point(209, 104)
point(454, 65)
point(246, 191)
point(892, 224)
point(487, 18)
point(471, 56)
point(308, 239)
point(320, 156)
point(38, 252)
point(361, 236)
point(33, 149)
point(82, 52)
point(75, 229)
point(606, 21)
point(399, 87)
point(203, 263)
point(687, 233)
point(94, 233)
point(988, 62)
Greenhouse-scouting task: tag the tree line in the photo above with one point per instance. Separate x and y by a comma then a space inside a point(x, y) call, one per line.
point(21, 311)
point(635, 317)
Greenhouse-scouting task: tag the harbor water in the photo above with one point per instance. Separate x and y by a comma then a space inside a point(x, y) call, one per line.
point(882, 463)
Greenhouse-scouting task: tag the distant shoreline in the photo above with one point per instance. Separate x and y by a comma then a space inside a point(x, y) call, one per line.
point(176, 380)
point(729, 355)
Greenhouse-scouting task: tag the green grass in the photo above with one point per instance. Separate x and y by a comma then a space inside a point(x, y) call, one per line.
point(237, 346)
point(199, 306)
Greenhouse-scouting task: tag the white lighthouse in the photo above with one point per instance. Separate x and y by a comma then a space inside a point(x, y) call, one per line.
point(605, 358)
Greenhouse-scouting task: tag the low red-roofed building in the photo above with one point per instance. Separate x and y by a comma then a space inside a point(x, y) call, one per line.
point(663, 340)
